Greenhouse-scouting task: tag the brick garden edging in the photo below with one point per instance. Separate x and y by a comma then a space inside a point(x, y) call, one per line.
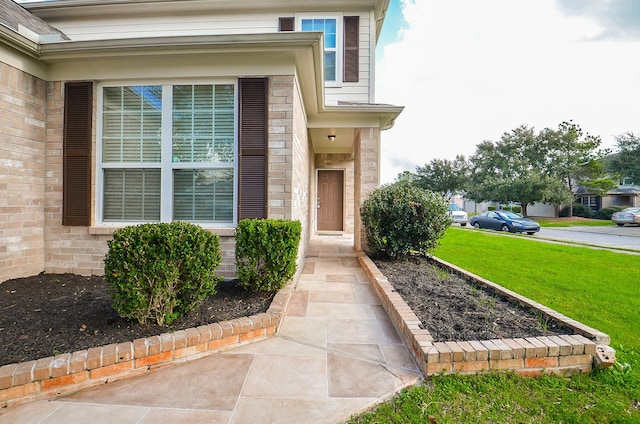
point(61, 374)
point(531, 356)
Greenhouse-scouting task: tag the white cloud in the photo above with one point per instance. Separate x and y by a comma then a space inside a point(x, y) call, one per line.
point(468, 71)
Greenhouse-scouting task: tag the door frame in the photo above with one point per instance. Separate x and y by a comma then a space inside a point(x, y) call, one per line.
point(317, 195)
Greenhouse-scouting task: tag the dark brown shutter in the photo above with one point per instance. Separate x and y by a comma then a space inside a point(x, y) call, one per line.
point(351, 49)
point(76, 151)
point(252, 186)
point(286, 24)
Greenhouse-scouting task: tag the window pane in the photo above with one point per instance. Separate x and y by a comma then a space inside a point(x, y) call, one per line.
point(203, 195)
point(203, 123)
point(307, 25)
point(329, 28)
point(330, 66)
point(131, 124)
point(225, 123)
point(329, 41)
point(131, 195)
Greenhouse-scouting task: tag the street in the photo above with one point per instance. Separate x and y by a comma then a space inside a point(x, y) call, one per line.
point(627, 237)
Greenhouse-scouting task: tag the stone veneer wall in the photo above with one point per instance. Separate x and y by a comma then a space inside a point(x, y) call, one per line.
point(366, 175)
point(289, 157)
point(22, 170)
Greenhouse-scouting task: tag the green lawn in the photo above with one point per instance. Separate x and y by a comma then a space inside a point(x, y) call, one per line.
point(599, 288)
point(571, 222)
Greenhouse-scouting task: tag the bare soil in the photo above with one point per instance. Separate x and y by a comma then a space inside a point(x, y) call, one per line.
point(453, 309)
point(49, 314)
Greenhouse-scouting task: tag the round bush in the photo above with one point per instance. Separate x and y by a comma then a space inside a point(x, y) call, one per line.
point(161, 271)
point(579, 209)
point(605, 213)
point(400, 220)
point(266, 252)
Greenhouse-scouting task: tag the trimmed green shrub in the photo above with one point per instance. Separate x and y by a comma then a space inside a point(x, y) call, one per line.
point(605, 213)
point(401, 220)
point(579, 209)
point(161, 271)
point(491, 208)
point(266, 252)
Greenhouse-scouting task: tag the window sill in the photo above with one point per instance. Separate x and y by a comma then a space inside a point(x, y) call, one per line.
point(110, 229)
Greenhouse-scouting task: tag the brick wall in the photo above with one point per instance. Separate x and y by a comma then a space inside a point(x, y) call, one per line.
point(529, 356)
point(67, 249)
point(22, 173)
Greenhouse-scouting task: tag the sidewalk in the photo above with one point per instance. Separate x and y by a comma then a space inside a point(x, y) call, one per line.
point(336, 354)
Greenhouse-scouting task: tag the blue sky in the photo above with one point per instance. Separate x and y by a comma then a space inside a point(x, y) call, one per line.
point(468, 71)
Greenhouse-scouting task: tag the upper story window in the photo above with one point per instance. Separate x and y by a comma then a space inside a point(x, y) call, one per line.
point(167, 152)
point(341, 44)
point(330, 30)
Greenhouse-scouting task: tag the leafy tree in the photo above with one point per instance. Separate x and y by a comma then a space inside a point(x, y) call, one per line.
point(447, 177)
point(626, 162)
point(572, 157)
point(407, 178)
point(513, 170)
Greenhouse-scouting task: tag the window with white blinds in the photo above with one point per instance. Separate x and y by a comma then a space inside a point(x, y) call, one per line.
point(168, 153)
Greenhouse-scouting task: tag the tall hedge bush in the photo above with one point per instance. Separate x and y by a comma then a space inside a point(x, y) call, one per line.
point(266, 252)
point(161, 271)
point(400, 219)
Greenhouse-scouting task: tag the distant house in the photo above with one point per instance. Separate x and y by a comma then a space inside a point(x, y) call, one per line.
point(121, 112)
point(625, 194)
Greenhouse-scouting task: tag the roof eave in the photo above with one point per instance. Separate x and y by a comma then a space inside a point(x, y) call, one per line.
point(386, 114)
point(18, 42)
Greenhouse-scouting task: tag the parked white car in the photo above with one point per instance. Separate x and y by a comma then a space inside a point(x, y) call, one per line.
point(458, 215)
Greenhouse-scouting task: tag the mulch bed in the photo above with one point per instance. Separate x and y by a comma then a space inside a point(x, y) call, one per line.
point(48, 314)
point(453, 309)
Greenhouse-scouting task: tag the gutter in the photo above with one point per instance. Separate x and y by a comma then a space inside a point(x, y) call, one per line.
point(153, 46)
point(19, 42)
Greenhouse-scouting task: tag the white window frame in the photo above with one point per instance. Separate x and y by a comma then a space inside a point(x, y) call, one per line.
point(166, 165)
point(591, 201)
point(339, 18)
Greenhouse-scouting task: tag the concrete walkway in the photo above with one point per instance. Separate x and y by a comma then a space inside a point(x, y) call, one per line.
point(336, 354)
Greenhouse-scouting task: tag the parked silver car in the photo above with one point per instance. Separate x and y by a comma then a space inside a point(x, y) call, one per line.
point(458, 215)
point(626, 216)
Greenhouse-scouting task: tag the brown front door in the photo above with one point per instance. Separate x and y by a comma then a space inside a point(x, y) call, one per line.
point(330, 187)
